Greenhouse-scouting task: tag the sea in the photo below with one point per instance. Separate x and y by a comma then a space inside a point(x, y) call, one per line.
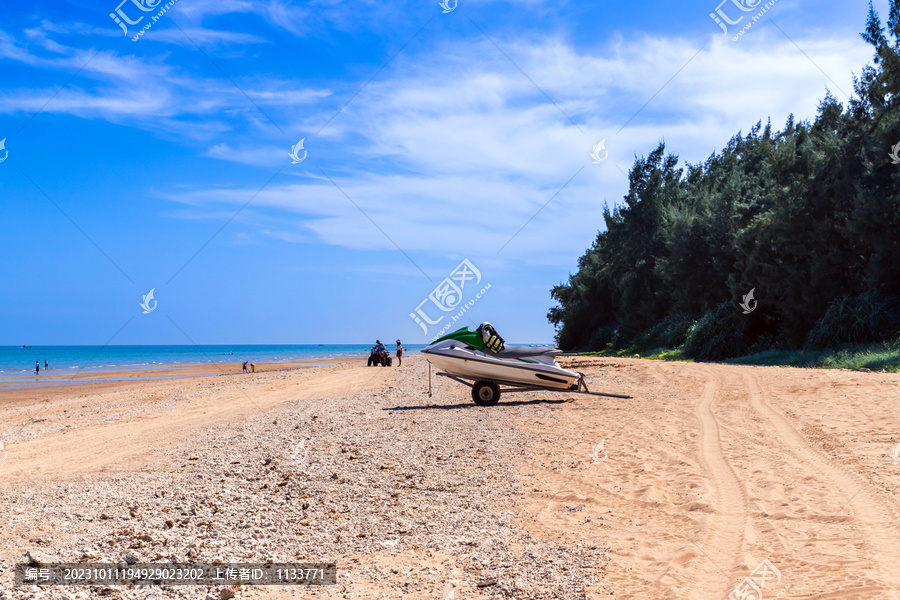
point(19, 360)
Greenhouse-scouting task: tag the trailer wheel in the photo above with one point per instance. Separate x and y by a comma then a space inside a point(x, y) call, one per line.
point(485, 393)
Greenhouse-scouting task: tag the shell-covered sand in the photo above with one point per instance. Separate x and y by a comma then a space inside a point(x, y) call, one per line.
point(679, 492)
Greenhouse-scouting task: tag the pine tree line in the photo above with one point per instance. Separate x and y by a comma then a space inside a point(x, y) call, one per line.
point(807, 217)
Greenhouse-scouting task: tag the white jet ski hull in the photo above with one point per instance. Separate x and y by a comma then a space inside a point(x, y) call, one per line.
point(455, 358)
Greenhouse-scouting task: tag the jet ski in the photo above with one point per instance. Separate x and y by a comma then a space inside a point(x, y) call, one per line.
point(482, 355)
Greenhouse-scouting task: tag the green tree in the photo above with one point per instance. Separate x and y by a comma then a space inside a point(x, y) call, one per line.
point(807, 216)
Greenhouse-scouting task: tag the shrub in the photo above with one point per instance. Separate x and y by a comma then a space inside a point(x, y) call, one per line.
point(671, 332)
point(863, 319)
point(718, 334)
point(604, 338)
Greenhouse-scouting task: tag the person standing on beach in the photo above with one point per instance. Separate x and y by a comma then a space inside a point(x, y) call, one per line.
point(46, 365)
point(37, 367)
point(244, 366)
point(399, 354)
point(253, 367)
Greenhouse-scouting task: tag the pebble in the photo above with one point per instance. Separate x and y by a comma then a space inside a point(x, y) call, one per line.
point(38, 558)
point(259, 500)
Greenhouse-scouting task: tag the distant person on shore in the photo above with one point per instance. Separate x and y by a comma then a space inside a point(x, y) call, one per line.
point(37, 367)
point(46, 365)
point(399, 354)
point(244, 366)
point(253, 367)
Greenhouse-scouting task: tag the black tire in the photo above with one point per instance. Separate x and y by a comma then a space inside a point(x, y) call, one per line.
point(485, 393)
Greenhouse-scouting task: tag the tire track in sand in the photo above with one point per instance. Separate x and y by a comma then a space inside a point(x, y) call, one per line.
point(727, 524)
point(877, 519)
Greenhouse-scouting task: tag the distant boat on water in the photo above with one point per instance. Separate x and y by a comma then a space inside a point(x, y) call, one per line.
point(26, 346)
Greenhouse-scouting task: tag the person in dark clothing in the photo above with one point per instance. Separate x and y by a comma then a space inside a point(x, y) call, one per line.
point(399, 354)
point(37, 367)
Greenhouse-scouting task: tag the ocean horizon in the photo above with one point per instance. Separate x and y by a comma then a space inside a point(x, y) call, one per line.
point(20, 360)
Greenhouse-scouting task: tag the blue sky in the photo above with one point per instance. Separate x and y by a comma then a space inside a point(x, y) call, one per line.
point(430, 138)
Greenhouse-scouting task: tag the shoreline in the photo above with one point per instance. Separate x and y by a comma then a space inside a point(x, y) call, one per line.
point(16, 362)
point(59, 379)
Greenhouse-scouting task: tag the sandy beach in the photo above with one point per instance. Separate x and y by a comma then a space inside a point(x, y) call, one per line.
point(681, 491)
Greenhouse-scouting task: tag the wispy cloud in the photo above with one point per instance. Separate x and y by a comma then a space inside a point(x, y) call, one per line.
point(146, 92)
point(299, 19)
point(204, 37)
point(465, 149)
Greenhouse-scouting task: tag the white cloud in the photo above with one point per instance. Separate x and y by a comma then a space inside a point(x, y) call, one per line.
point(456, 146)
point(464, 150)
point(145, 92)
point(247, 154)
point(188, 36)
point(298, 19)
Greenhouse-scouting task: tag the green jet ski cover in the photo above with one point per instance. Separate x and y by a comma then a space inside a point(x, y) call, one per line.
point(483, 337)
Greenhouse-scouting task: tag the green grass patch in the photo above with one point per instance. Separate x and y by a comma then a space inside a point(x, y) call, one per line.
point(667, 354)
point(874, 357)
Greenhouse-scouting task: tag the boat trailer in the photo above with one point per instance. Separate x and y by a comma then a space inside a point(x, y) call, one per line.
point(486, 392)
